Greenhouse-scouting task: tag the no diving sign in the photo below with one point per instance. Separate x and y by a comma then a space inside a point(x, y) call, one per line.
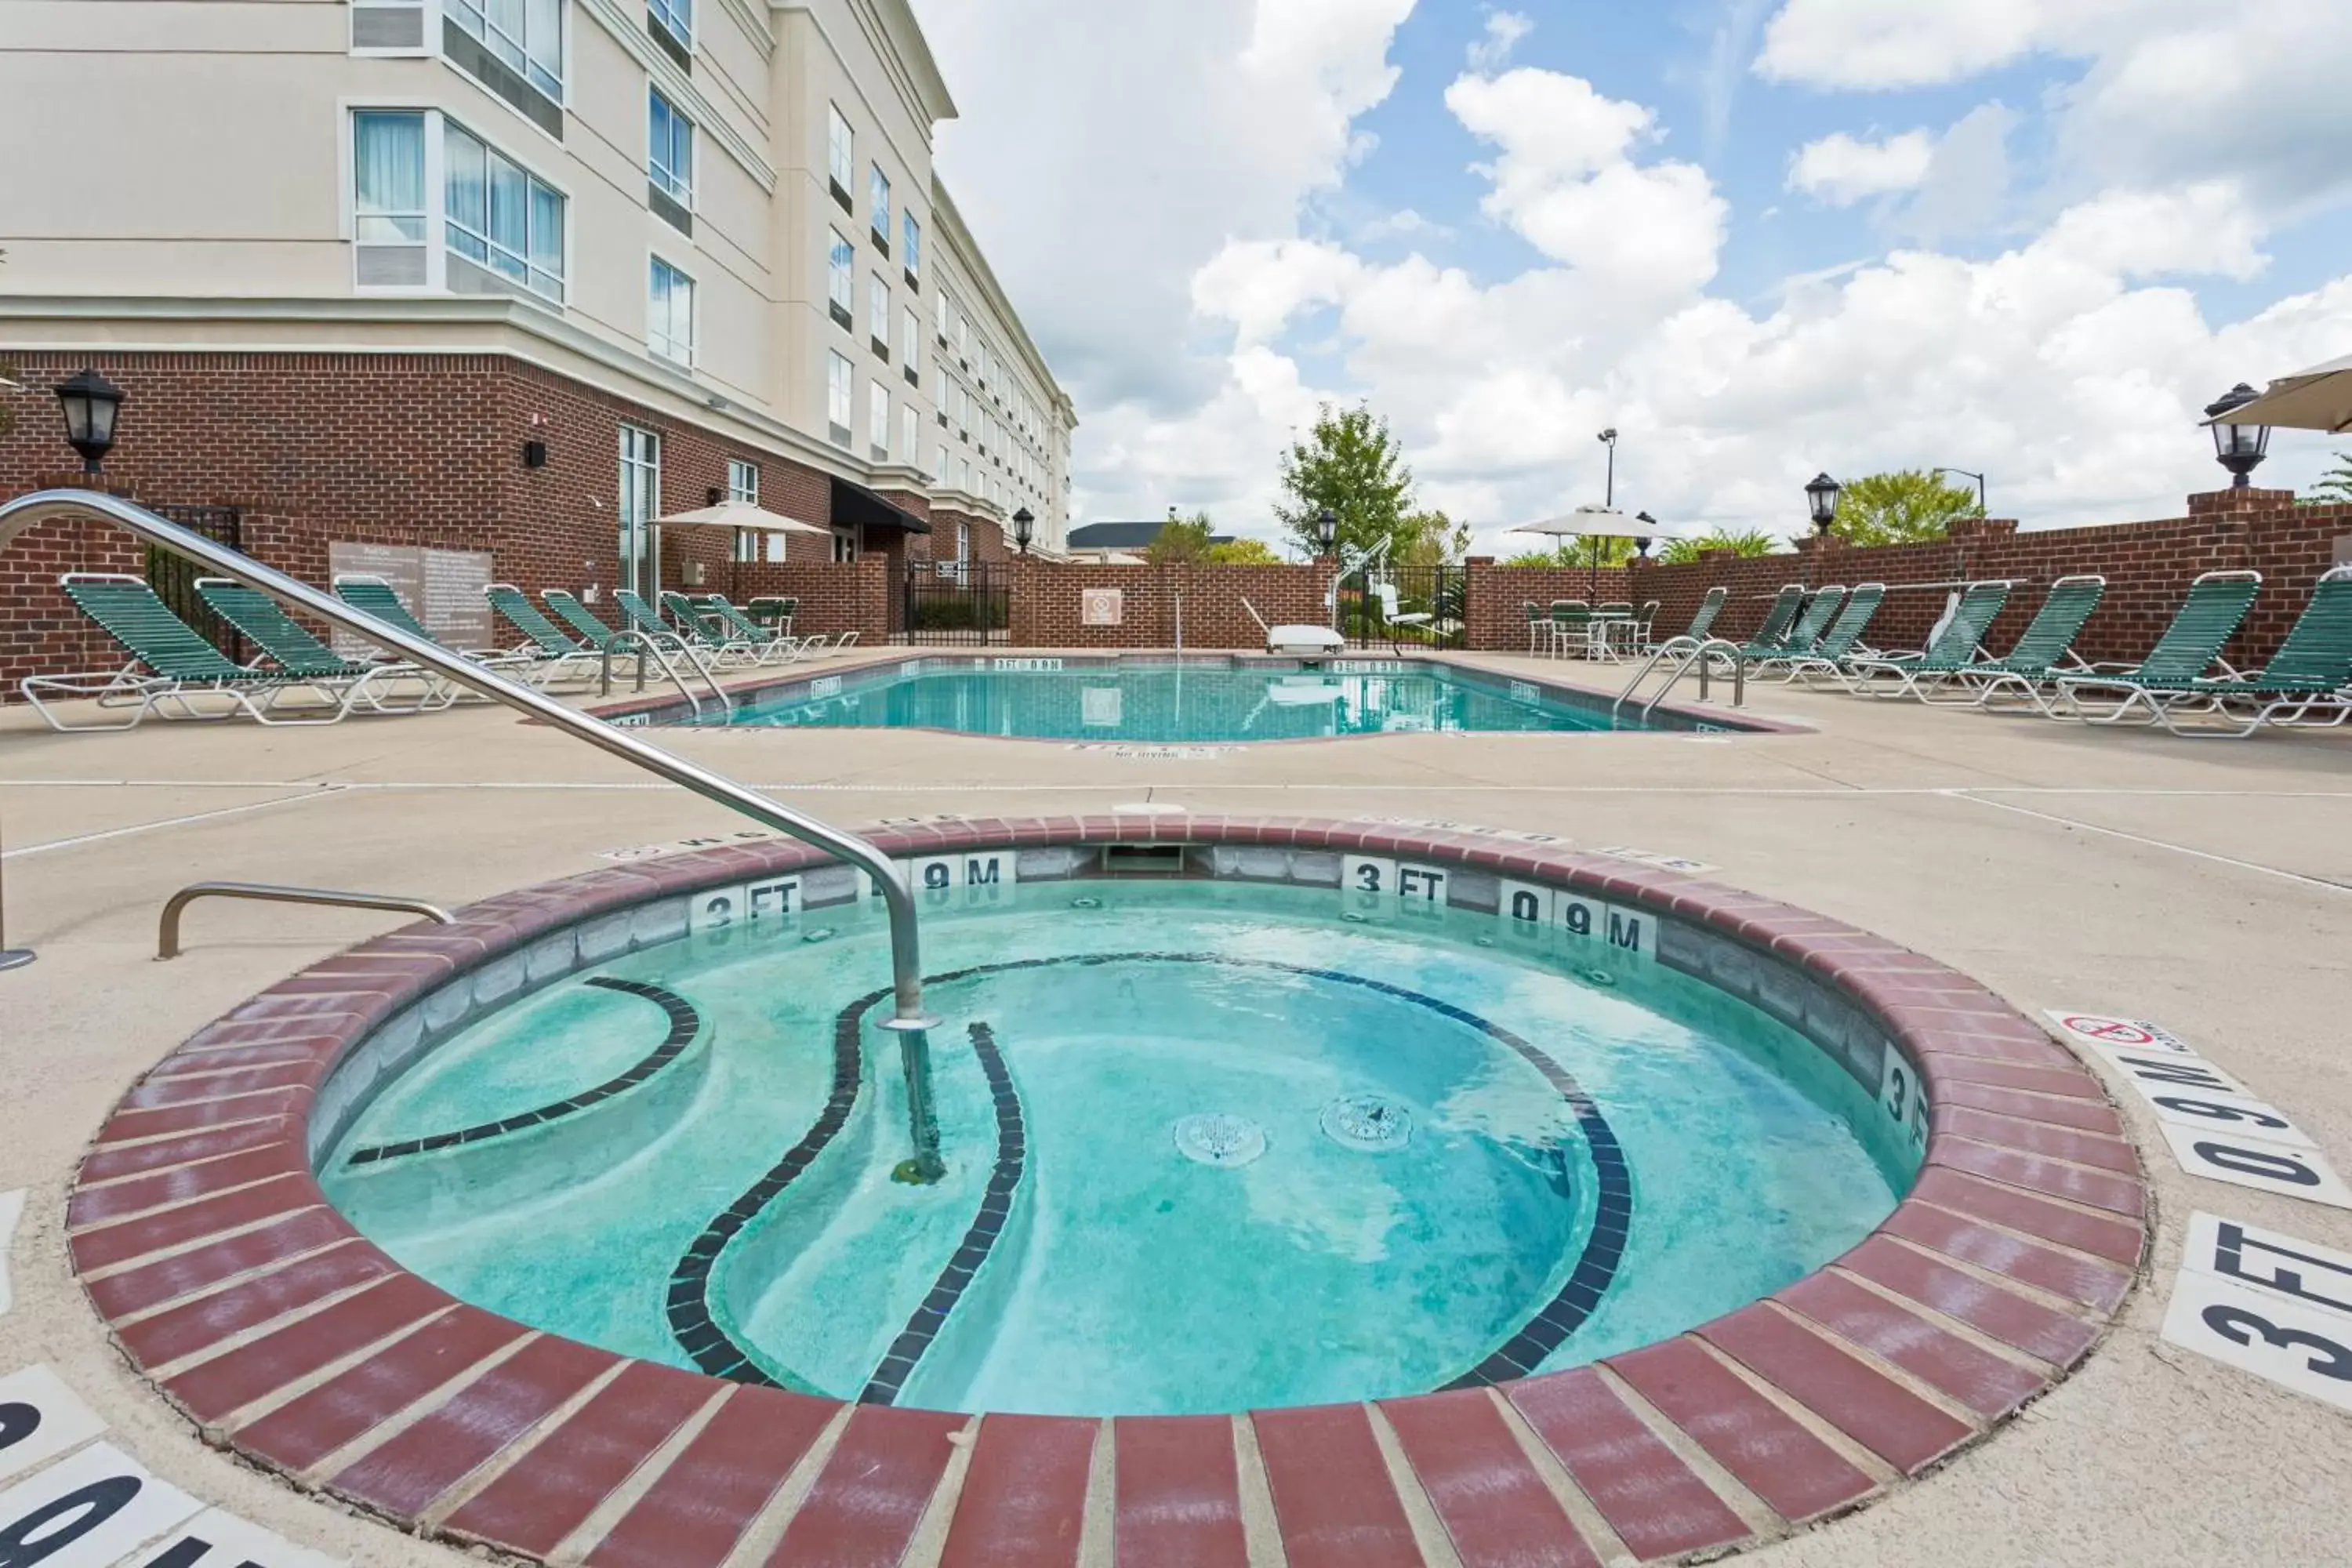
point(2103, 1033)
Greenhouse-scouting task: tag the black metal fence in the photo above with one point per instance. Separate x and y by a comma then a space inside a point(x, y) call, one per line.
point(173, 577)
point(1406, 607)
point(955, 603)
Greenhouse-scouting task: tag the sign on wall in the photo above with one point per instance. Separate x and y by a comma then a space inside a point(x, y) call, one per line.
point(443, 588)
point(1102, 606)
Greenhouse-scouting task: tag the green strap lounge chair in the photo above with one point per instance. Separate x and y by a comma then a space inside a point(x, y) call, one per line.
point(1702, 624)
point(1813, 624)
point(1771, 638)
point(1957, 647)
point(368, 593)
point(2045, 651)
point(1842, 642)
point(703, 633)
point(2188, 650)
point(173, 672)
point(2307, 684)
point(578, 616)
point(725, 619)
point(565, 655)
point(378, 685)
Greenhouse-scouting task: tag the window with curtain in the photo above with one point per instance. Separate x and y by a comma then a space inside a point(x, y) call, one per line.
point(841, 152)
point(913, 258)
point(499, 216)
point(669, 150)
point(839, 393)
point(526, 36)
point(877, 189)
point(677, 15)
point(388, 178)
point(669, 314)
point(877, 420)
point(841, 277)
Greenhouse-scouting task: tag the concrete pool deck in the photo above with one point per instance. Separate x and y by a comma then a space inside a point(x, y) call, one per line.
point(2201, 885)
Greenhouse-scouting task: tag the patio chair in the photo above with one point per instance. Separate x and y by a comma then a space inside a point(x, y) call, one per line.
point(1571, 626)
point(725, 619)
point(1702, 623)
point(774, 612)
point(1842, 642)
point(292, 647)
point(1958, 647)
point(567, 655)
point(2190, 648)
point(1771, 640)
point(1539, 623)
point(1645, 621)
point(2040, 656)
point(698, 631)
point(364, 591)
point(1613, 624)
point(578, 616)
point(2307, 684)
point(185, 671)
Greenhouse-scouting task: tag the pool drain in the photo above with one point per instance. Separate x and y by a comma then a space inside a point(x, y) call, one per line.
point(1367, 1121)
point(1215, 1139)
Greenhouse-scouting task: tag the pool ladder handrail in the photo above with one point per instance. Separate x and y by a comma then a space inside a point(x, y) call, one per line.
point(1688, 651)
point(649, 644)
point(905, 946)
point(167, 929)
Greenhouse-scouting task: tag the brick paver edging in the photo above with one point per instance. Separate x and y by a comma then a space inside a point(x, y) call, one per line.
point(227, 1279)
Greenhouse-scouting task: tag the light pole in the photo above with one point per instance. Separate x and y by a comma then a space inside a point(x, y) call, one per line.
point(1821, 504)
point(1608, 439)
point(1326, 538)
point(2238, 447)
point(1968, 474)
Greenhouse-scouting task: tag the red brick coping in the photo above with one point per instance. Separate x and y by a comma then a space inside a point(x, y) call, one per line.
point(228, 1280)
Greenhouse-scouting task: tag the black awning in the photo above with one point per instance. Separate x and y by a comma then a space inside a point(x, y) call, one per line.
point(853, 503)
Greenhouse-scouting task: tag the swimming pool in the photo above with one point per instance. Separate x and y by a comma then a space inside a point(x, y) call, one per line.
point(1210, 1144)
point(1162, 700)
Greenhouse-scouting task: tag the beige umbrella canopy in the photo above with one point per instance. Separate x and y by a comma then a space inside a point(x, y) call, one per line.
point(2319, 398)
point(1600, 523)
point(740, 517)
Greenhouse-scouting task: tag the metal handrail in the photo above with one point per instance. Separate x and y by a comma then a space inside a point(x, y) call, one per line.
point(167, 930)
point(906, 945)
point(646, 643)
point(1688, 650)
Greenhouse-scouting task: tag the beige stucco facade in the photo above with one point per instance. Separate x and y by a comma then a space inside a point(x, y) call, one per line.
point(187, 175)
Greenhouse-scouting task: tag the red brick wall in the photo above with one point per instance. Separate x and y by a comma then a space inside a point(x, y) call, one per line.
point(1046, 608)
point(835, 595)
point(40, 630)
point(988, 542)
point(1500, 596)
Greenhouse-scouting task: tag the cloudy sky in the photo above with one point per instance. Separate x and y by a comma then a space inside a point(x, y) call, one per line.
point(1759, 237)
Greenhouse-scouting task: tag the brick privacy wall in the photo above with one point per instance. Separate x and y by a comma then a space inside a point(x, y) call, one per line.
point(835, 596)
point(1499, 597)
point(1047, 607)
point(40, 630)
point(370, 449)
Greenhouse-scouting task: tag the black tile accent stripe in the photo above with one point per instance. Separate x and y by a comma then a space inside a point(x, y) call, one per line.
point(685, 1023)
point(690, 1322)
point(996, 1207)
point(1545, 1329)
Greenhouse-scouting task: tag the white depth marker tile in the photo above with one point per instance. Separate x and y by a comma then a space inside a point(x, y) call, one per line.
point(2303, 1271)
point(91, 1511)
point(2298, 1346)
point(2267, 1167)
point(41, 1418)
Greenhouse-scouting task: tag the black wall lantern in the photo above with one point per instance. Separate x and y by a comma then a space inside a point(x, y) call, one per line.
point(91, 402)
point(1327, 529)
point(1822, 498)
point(1025, 525)
point(534, 454)
point(2240, 449)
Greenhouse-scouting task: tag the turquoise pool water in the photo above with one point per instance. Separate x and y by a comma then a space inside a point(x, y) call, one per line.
point(1209, 1146)
point(1203, 701)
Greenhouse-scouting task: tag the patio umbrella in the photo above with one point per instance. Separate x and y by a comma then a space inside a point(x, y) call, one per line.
point(1599, 522)
point(2319, 398)
point(740, 518)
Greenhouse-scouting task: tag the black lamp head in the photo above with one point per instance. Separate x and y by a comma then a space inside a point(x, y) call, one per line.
point(2240, 449)
point(1821, 498)
point(91, 402)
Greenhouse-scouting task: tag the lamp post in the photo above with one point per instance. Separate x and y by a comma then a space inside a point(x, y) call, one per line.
point(1968, 474)
point(2238, 447)
point(91, 402)
point(1327, 540)
point(1608, 439)
point(1821, 501)
point(1641, 541)
point(1024, 524)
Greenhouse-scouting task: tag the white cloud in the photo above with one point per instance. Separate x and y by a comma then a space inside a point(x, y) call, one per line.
point(1841, 170)
point(1401, 225)
point(1505, 31)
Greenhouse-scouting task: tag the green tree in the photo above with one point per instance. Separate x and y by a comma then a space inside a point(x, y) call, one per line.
point(2334, 486)
point(1180, 539)
point(1744, 544)
point(1350, 462)
point(1430, 538)
point(1243, 552)
point(1906, 506)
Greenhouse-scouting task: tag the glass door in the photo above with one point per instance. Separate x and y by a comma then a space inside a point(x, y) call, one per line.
point(640, 504)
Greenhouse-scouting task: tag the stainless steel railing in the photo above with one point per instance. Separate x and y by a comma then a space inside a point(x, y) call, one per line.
point(906, 947)
point(167, 929)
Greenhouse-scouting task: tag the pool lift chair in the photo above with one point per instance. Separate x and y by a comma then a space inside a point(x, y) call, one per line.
point(1298, 641)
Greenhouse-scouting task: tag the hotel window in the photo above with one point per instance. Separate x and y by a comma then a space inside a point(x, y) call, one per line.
point(840, 379)
point(669, 161)
point(669, 314)
point(941, 303)
point(840, 280)
point(389, 223)
point(498, 216)
point(841, 155)
point(515, 42)
point(940, 466)
point(877, 191)
point(675, 18)
point(743, 486)
point(911, 435)
point(877, 314)
point(640, 503)
point(913, 258)
point(878, 421)
point(910, 345)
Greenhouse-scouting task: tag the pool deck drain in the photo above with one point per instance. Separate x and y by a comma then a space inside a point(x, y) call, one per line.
point(203, 1238)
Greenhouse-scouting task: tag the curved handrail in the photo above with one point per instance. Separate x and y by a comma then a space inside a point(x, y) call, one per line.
point(1686, 650)
point(646, 643)
point(167, 929)
point(906, 950)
